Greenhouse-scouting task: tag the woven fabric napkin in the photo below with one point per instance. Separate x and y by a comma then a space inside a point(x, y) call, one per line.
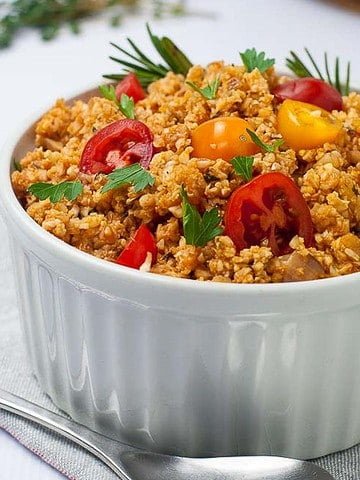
point(62, 454)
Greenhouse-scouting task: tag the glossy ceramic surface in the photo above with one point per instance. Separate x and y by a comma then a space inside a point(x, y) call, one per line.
point(132, 464)
point(183, 367)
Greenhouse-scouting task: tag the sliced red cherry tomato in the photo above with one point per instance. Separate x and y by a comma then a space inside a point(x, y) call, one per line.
point(136, 251)
point(310, 90)
point(269, 207)
point(117, 145)
point(131, 86)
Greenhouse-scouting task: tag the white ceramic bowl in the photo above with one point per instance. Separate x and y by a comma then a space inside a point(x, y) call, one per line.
point(181, 366)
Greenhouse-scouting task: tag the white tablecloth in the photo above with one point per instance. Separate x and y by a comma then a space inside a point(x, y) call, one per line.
point(33, 74)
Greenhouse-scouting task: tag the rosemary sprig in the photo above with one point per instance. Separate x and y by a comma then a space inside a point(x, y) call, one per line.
point(297, 66)
point(46, 16)
point(49, 16)
point(145, 69)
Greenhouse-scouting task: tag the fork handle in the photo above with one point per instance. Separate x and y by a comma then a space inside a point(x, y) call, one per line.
point(107, 450)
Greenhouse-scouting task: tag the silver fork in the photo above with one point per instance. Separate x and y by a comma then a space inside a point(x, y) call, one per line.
point(130, 463)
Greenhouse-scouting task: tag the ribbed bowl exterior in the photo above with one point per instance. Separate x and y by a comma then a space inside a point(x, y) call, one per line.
point(193, 385)
point(180, 366)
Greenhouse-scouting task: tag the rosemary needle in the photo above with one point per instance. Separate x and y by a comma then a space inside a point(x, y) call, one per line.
point(147, 71)
point(297, 66)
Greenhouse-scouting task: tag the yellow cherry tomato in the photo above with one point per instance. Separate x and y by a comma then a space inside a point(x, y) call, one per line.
point(223, 137)
point(305, 126)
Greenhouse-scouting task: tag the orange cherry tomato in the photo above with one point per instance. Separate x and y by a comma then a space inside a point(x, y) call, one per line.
point(305, 126)
point(223, 137)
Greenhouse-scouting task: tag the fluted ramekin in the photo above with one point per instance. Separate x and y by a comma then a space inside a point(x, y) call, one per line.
point(181, 366)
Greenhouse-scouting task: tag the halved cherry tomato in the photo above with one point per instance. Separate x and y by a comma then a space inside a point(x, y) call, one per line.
point(131, 86)
point(269, 207)
point(310, 90)
point(223, 137)
point(304, 126)
point(117, 145)
point(136, 251)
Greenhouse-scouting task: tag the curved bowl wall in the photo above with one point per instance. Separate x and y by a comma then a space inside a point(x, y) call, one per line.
point(184, 367)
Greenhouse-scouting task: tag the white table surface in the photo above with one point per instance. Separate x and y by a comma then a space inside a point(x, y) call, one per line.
point(33, 74)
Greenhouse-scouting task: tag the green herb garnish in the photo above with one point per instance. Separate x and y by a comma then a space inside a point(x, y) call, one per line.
point(126, 104)
point(252, 59)
point(163, 7)
point(199, 230)
point(297, 66)
point(145, 69)
point(209, 92)
point(264, 146)
point(243, 166)
point(74, 27)
point(56, 191)
point(116, 20)
point(134, 175)
point(48, 16)
point(108, 92)
point(17, 165)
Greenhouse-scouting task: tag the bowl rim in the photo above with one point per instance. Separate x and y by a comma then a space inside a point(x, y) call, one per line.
point(13, 211)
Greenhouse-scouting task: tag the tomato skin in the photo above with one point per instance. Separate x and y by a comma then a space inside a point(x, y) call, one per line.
point(117, 145)
point(310, 90)
point(270, 206)
point(305, 126)
point(222, 137)
point(135, 252)
point(131, 86)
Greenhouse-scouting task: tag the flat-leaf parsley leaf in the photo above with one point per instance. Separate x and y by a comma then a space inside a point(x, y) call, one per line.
point(209, 92)
point(252, 59)
point(56, 191)
point(126, 103)
point(134, 175)
point(108, 91)
point(267, 148)
point(243, 166)
point(199, 230)
point(127, 106)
